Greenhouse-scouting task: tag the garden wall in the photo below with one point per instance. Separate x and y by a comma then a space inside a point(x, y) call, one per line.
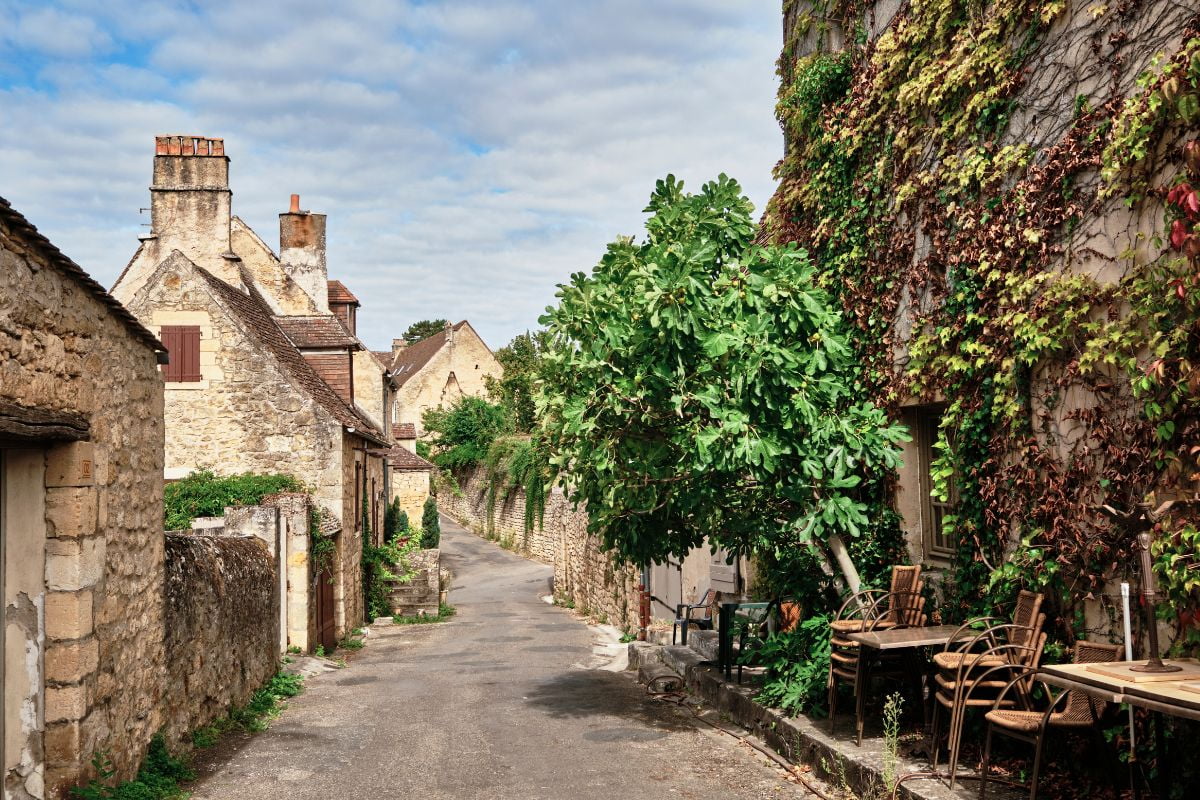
point(222, 635)
point(583, 573)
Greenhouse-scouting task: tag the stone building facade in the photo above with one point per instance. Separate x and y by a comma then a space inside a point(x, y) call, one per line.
point(439, 370)
point(266, 380)
point(81, 456)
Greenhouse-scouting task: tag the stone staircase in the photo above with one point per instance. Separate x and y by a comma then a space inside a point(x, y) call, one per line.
point(421, 595)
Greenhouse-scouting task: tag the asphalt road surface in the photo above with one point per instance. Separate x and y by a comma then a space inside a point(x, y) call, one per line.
point(509, 699)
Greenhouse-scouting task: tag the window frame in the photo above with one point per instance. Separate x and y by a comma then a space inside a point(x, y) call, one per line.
point(937, 546)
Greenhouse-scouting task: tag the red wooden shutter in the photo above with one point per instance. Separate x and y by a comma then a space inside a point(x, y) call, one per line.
point(183, 351)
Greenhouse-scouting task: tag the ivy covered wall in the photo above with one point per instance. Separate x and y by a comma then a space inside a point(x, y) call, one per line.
point(1000, 194)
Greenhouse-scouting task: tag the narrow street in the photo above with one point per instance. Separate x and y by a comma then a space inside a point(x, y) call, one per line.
point(506, 700)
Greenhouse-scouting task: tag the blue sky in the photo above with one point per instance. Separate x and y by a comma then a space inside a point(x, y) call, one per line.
point(469, 155)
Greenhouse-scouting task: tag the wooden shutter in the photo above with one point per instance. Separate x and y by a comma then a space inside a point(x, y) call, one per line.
point(183, 352)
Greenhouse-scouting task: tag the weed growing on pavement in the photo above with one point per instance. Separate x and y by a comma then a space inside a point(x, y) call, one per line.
point(158, 779)
point(891, 739)
point(445, 612)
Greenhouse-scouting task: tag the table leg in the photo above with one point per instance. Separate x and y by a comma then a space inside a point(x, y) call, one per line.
point(861, 682)
point(725, 639)
point(1160, 752)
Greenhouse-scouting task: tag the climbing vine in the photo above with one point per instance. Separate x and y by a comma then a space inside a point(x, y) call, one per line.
point(982, 203)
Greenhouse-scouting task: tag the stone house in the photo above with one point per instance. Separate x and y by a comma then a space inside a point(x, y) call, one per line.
point(263, 374)
point(439, 370)
point(81, 459)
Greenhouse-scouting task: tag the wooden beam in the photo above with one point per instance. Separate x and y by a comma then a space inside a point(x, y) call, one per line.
point(21, 422)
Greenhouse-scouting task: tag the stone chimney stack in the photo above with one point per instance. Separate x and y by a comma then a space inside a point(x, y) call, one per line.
point(191, 204)
point(302, 252)
point(398, 345)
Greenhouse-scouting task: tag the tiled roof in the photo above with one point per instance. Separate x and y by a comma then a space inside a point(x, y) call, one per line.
point(14, 219)
point(410, 360)
point(255, 314)
point(384, 357)
point(338, 293)
point(313, 332)
point(404, 430)
point(405, 460)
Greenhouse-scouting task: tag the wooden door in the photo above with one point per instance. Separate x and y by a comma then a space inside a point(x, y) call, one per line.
point(326, 631)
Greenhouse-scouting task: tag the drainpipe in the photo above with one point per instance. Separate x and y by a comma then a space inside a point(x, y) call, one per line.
point(644, 605)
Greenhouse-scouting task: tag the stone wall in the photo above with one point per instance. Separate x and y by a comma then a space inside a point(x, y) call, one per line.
point(217, 423)
point(411, 488)
point(63, 349)
point(467, 358)
point(583, 573)
point(222, 618)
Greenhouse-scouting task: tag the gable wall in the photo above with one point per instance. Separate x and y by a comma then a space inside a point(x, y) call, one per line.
point(246, 416)
point(467, 357)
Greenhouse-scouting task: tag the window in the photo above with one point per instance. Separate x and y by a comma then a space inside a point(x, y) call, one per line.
point(937, 545)
point(183, 352)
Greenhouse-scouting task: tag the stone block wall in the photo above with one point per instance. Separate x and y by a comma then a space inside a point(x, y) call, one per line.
point(96, 519)
point(583, 573)
point(221, 622)
point(411, 488)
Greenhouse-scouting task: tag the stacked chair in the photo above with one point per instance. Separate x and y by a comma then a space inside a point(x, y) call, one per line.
point(1079, 712)
point(900, 606)
point(982, 669)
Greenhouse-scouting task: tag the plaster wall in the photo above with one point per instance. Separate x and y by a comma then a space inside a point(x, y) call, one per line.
point(24, 531)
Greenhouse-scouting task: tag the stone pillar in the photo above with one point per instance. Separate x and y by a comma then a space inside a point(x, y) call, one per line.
point(75, 557)
point(295, 517)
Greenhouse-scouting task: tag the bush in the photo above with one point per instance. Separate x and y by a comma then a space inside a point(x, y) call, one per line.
point(203, 494)
point(797, 667)
point(431, 525)
point(463, 433)
point(395, 521)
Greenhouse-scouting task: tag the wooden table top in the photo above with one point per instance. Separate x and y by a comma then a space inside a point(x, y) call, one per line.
point(1165, 696)
point(897, 638)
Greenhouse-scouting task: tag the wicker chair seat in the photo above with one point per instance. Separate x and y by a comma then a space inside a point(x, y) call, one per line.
point(949, 685)
point(1030, 721)
point(950, 660)
point(858, 625)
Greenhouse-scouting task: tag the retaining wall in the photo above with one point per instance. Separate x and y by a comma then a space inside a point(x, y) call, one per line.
point(583, 573)
point(222, 627)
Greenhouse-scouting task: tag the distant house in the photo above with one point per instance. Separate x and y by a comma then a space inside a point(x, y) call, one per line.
point(81, 508)
point(265, 373)
point(439, 370)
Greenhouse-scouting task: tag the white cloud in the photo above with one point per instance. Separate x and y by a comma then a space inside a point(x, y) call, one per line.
point(470, 155)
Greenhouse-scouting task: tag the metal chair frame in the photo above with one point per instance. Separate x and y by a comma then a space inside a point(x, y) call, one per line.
point(1037, 740)
point(909, 613)
point(967, 680)
point(683, 615)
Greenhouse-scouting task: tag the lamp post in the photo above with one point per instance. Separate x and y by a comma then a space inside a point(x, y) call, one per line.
point(1140, 521)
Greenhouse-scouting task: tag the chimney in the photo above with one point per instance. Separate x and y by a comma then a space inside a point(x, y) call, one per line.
point(302, 252)
point(190, 202)
point(398, 345)
point(449, 333)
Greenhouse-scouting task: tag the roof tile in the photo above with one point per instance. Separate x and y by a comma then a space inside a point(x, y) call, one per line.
point(338, 293)
point(316, 331)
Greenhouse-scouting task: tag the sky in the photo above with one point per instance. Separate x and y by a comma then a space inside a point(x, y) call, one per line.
point(470, 156)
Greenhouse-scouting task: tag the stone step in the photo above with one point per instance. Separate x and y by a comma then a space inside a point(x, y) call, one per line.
point(681, 659)
point(705, 643)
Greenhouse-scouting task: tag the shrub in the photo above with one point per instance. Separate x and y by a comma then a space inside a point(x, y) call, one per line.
point(431, 525)
point(395, 521)
point(203, 494)
point(797, 667)
point(158, 779)
point(463, 433)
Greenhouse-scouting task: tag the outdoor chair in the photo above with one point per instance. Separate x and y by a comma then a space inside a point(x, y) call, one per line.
point(975, 673)
point(867, 611)
point(1078, 713)
point(698, 614)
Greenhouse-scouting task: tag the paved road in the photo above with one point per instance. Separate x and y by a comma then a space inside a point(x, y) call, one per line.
point(504, 701)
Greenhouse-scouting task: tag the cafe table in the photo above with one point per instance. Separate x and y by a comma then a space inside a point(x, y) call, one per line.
point(1175, 694)
point(897, 639)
